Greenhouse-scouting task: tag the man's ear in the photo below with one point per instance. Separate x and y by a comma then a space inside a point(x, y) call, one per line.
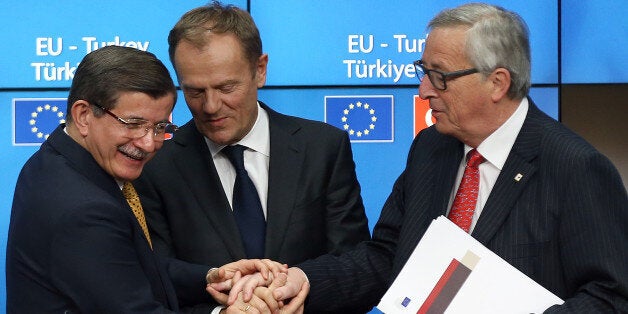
point(260, 75)
point(500, 80)
point(82, 116)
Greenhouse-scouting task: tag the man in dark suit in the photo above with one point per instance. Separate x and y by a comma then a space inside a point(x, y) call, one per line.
point(303, 171)
point(547, 202)
point(75, 244)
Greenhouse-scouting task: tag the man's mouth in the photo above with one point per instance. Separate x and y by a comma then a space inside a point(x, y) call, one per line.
point(135, 154)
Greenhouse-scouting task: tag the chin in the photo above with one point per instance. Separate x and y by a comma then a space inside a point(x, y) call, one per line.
point(441, 128)
point(130, 174)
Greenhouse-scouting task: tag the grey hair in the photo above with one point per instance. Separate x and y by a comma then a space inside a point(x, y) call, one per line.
point(497, 38)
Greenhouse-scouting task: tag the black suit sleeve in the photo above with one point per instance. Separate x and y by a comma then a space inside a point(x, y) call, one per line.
point(155, 215)
point(189, 283)
point(346, 222)
point(97, 261)
point(594, 238)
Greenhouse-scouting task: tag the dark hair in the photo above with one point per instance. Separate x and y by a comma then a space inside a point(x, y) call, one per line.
point(105, 73)
point(197, 23)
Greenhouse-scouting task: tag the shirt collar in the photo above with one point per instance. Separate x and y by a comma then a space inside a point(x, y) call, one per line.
point(496, 147)
point(257, 139)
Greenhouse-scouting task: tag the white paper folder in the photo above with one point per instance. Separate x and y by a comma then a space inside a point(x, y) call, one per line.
point(451, 272)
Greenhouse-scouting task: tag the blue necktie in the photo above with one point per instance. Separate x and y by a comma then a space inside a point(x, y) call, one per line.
point(247, 207)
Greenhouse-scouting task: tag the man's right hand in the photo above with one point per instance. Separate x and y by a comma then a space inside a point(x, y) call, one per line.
point(294, 286)
point(223, 278)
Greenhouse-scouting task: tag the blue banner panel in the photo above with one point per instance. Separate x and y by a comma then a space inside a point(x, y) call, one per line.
point(374, 42)
point(594, 41)
point(44, 41)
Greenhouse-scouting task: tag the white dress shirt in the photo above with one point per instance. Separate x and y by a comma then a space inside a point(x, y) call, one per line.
point(495, 149)
point(256, 159)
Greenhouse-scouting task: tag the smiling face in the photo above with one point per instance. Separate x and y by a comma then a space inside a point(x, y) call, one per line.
point(107, 140)
point(219, 88)
point(464, 110)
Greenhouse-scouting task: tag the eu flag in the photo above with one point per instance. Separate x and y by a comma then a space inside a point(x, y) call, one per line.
point(35, 118)
point(365, 118)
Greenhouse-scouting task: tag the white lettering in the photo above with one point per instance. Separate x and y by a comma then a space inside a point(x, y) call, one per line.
point(45, 46)
point(358, 40)
point(361, 69)
point(409, 45)
point(91, 43)
point(49, 72)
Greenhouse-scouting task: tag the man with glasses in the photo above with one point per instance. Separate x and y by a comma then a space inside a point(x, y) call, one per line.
point(519, 182)
point(78, 241)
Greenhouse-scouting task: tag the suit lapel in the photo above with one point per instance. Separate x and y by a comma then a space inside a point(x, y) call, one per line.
point(207, 189)
point(426, 184)
point(286, 153)
point(450, 157)
point(512, 180)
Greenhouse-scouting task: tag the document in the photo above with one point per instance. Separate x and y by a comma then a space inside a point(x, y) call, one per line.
point(451, 272)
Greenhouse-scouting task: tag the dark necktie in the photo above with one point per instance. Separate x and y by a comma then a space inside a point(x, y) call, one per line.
point(467, 195)
point(247, 207)
point(134, 202)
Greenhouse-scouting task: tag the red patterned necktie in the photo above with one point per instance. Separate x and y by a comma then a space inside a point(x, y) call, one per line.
point(467, 195)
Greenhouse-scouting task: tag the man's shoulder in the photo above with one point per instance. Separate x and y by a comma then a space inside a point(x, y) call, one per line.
point(557, 137)
point(309, 126)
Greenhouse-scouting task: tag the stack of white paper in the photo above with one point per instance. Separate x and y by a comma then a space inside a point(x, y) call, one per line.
point(451, 272)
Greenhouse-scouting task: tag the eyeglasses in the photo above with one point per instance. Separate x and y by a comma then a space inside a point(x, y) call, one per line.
point(137, 128)
point(438, 78)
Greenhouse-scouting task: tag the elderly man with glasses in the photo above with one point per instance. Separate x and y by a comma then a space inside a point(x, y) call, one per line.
point(522, 184)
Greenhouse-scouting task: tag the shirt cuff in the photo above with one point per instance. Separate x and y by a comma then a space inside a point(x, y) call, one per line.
point(217, 309)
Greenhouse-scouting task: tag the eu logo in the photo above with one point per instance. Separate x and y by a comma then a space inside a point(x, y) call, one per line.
point(35, 118)
point(365, 118)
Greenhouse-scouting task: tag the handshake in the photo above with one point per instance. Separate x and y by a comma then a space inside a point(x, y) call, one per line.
point(258, 286)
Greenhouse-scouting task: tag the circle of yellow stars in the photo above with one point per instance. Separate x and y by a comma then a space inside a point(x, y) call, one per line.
point(363, 106)
point(41, 110)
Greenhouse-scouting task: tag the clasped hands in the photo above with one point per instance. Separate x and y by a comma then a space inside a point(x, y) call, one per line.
point(258, 286)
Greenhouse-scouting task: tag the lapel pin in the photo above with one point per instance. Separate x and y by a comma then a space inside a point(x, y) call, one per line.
point(518, 177)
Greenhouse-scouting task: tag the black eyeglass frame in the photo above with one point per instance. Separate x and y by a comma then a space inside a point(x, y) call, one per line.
point(168, 128)
point(421, 71)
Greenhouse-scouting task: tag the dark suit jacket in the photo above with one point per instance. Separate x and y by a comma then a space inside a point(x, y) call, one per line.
point(75, 246)
point(314, 204)
point(564, 224)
